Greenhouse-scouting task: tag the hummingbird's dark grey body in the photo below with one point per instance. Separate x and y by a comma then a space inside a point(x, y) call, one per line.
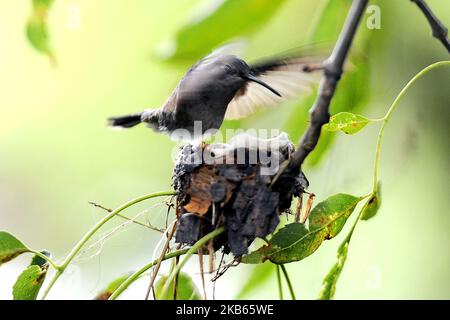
point(202, 95)
point(213, 85)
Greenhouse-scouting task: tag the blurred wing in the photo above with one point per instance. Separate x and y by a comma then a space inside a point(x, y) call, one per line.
point(235, 47)
point(287, 76)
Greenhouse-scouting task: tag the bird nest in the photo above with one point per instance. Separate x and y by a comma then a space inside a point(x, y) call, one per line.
point(241, 186)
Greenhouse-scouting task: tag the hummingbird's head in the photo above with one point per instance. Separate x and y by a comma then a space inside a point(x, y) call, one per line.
point(235, 72)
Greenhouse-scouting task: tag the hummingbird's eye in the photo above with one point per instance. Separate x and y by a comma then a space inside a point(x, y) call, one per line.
point(228, 68)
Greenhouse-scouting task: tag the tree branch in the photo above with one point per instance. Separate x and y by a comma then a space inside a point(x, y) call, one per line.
point(319, 114)
point(439, 31)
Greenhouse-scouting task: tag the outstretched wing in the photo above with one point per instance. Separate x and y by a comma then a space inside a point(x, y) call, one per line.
point(291, 77)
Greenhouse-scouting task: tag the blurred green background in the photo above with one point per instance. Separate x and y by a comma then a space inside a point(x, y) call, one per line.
point(56, 153)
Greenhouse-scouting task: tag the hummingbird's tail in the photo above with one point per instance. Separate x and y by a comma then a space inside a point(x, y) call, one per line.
point(127, 121)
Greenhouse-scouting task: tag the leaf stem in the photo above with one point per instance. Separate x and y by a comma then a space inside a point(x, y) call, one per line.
point(291, 289)
point(280, 285)
point(376, 120)
point(94, 229)
point(48, 259)
point(191, 251)
point(139, 272)
point(389, 113)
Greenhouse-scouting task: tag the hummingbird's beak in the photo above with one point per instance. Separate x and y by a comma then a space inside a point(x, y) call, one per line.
point(251, 77)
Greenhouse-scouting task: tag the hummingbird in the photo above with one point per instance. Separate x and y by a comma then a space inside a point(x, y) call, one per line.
point(224, 86)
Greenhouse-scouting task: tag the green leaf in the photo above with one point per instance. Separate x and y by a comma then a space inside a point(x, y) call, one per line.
point(330, 281)
point(214, 25)
point(186, 289)
point(331, 214)
point(112, 286)
point(30, 281)
point(372, 205)
point(295, 242)
point(10, 247)
point(346, 122)
point(259, 276)
point(36, 29)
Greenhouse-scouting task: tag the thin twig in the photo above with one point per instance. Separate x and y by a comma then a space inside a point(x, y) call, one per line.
point(175, 281)
point(200, 243)
point(149, 226)
point(170, 205)
point(217, 273)
point(99, 206)
point(298, 211)
point(137, 274)
point(163, 253)
point(76, 249)
point(439, 31)
point(236, 261)
point(211, 255)
point(202, 273)
point(308, 207)
point(319, 114)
